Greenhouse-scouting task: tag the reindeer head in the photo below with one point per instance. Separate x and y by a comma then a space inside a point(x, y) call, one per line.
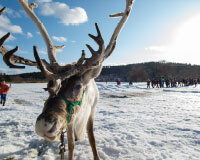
point(55, 114)
point(65, 83)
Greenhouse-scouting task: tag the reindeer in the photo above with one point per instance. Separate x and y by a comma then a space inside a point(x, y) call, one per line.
point(73, 94)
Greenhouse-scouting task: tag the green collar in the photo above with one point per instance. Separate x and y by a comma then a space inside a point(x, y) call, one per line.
point(70, 106)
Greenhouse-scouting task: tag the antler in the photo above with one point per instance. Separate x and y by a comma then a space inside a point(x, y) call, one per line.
point(102, 54)
point(111, 46)
point(85, 64)
point(2, 10)
point(54, 70)
point(51, 48)
point(53, 67)
point(8, 56)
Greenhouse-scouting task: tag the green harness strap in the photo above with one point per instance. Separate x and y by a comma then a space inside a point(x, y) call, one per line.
point(70, 106)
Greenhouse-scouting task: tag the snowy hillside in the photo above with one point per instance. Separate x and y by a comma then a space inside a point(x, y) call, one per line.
point(131, 123)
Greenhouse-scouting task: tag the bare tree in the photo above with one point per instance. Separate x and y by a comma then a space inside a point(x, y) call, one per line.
point(73, 94)
point(138, 74)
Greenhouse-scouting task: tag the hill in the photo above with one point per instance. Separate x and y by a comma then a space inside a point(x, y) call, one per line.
point(132, 72)
point(142, 71)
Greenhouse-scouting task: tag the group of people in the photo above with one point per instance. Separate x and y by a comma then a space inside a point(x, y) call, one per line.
point(161, 83)
point(4, 88)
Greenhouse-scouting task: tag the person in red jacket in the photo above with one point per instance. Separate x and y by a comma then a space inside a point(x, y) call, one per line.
point(3, 91)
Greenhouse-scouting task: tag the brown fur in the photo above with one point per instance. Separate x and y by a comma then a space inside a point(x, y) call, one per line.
point(92, 138)
point(75, 78)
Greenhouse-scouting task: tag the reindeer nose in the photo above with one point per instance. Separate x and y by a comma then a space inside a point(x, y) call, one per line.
point(46, 117)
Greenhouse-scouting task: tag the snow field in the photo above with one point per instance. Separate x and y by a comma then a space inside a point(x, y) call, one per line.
point(131, 123)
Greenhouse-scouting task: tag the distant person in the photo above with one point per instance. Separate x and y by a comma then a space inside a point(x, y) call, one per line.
point(148, 83)
point(167, 83)
point(0, 85)
point(195, 82)
point(157, 83)
point(162, 82)
point(4, 88)
point(118, 82)
point(153, 83)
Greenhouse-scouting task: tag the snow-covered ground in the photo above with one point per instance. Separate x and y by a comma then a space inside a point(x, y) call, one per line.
point(131, 123)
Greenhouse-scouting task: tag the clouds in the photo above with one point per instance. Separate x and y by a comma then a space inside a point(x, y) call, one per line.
point(157, 48)
point(66, 15)
point(59, 39)
point(29, 35)
point(7, 26)
point(42, 51)
point(12, 13)
point(43, 1)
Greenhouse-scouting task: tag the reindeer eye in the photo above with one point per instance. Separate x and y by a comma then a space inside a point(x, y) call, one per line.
point(50, 83)
point(78, 86)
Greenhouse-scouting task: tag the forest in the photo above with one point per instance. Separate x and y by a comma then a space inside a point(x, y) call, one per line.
point(138, 72)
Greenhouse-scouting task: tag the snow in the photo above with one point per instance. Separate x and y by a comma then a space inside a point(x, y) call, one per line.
point(131, 123)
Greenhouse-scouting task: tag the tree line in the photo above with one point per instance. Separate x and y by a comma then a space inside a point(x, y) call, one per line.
point(139, 72)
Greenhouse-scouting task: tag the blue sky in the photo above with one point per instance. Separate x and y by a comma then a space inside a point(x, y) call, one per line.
point(156, 30)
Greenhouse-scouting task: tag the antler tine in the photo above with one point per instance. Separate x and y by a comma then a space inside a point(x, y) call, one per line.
point(69, 67)
point(51, 48)
point(98, 39)
point(8, 56)
point(48, 74)
point(76, 69)
point(43, 67)
point(124, 15)
point(3, 39)
point(2, 10)
point(10, 59)
point(97, 56)
point(116, 15)
point(81, 60)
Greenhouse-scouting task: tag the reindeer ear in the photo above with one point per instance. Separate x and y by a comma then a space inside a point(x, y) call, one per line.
point(91, 74)
point(46, 89)
point(53, 87)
